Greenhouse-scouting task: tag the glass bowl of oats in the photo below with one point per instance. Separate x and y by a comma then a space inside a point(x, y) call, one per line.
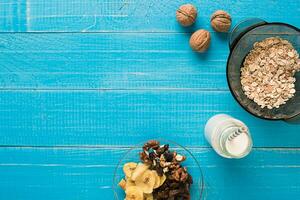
point(263, 69)
point(158, 169)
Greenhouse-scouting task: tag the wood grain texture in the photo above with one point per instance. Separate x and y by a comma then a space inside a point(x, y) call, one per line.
point(133, 15)
point(109, 61)
point(82, 81)
point(89, 117)
point(87, 173)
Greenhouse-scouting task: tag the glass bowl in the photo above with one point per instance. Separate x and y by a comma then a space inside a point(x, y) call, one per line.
point(191, 163)
point(241, 41)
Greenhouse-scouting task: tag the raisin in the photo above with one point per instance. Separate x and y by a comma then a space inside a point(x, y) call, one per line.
point(168, 156)
point(152, 155)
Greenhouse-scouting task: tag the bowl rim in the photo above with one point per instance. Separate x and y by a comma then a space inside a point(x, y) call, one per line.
point(139, 145)
point(232, 47)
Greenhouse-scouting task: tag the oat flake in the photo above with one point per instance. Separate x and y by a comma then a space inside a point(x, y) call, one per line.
point(267, 75)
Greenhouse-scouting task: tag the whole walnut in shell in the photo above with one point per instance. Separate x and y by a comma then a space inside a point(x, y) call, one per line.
point(220, 21)
point(200, 40)
point(186, 14)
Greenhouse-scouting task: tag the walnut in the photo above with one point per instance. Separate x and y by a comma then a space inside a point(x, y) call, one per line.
point(180, 175)
point(220, 21)
point(200, 40)
point(180, 158)
point(151, 144)
point(186, 14)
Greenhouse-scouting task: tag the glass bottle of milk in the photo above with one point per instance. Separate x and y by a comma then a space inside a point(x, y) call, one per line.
point(229, 137)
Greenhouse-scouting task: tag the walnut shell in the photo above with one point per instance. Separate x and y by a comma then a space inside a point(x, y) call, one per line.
point(186, 14)
point(200, 40)
point(220, 21)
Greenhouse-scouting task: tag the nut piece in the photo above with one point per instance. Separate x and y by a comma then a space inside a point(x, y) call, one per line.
point(220, 21)
point(180, 158)
point(200, 40)
point(186, 14)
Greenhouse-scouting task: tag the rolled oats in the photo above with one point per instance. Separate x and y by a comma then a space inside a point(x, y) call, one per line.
point(267, 75)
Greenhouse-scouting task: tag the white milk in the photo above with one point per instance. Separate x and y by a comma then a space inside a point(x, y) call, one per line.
point(229, 137)
point(238, 145)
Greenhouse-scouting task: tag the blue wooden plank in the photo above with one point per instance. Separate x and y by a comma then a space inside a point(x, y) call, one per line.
point(98, 117)
point(89, 89)
point(133, 15)
point(109, 61)
point(13, 15)
point(86, 173)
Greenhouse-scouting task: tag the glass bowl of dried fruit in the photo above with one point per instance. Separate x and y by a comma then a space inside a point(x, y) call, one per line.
point(263, 69)
point(158, 169)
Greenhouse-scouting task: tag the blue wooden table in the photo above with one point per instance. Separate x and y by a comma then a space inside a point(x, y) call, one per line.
point(81, 81)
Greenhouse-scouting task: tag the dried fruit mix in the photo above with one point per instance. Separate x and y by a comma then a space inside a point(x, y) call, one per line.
point(159, 176)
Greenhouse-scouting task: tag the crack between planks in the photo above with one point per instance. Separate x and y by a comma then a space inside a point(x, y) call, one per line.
point(111, 32)
point(125, 147)
point(115, 89)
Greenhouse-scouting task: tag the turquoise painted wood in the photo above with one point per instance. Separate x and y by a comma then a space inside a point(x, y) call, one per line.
point(86, 173)
point(130, 15)
point(97, 117)
point(82, 81)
